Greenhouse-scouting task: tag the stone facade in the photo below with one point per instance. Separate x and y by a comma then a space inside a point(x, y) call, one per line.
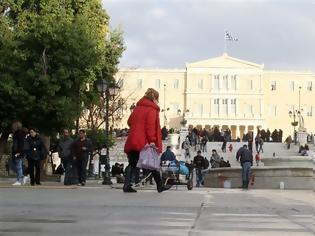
point(225, 92)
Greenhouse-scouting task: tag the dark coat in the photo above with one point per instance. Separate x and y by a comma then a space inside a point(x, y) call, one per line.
point(168, 155)
point(78, 150)
point(18, 142)
point(35, 149)
point(244, 155)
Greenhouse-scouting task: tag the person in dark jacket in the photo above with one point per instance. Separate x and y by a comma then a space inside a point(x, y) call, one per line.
point(35, 152)
point(82, 148)
point(246, 158)
point(17, 151)
point(144, 123)
point(199, 164)
point(168, 155)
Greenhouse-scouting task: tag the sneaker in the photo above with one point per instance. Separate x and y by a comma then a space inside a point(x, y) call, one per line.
point(24, 180)
point(17, 183)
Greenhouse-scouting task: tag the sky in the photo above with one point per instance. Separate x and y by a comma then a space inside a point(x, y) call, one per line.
point(168, 33)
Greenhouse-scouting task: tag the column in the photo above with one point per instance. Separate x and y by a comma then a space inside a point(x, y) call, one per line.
point(237, 131)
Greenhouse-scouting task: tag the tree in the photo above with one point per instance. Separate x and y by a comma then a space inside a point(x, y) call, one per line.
point(93, 116)
point(50, 50)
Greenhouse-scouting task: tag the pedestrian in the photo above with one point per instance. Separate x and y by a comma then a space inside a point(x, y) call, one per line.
point(35, 152)
point(204, 141)
point(144, 123)
point(82, 148)
point(199, 164)
point(257, 142)
point(168, 155)
point(64, 149)
point(250, 141)
point(215, 159)
point(223, 147)
point(261, 144)
point(246, 158)
point(288, 141)
point(230, 147)
point(185, 146)
point(18, 152)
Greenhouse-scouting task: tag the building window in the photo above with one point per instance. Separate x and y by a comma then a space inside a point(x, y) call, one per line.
point(250, 84)
point(224, 106)
point(273, 85)
point(309, 111)
point(233, 82)
point(217, 82)
point(309, 86)
point(217, 106)
point(225, 82)
point(200, 84)
point(233, 106)
point(291, 86)
point(139, 83)
point(175, 83)
point(249, 109)
point(157, 84)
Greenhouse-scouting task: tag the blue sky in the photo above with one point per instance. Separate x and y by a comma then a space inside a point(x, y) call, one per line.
point(169, 33)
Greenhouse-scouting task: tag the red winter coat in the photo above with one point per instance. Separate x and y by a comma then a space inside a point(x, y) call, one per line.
point(144, 123)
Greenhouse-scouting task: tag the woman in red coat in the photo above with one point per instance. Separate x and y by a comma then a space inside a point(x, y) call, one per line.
point(144, 128)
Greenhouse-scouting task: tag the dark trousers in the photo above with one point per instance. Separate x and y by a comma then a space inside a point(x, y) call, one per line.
point(81, 165)
point(34, 164)
point(131, 170)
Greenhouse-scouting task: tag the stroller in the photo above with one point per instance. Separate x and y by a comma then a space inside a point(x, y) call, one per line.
point(179, 173)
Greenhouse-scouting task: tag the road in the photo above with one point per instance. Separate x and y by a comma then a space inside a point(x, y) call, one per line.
point(102, 211)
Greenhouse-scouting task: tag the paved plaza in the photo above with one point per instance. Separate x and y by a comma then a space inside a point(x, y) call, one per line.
point(99, 210)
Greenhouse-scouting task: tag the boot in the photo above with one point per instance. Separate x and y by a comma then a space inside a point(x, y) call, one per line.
point(127, 185)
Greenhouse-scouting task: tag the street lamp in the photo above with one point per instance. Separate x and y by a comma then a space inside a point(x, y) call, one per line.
point(110, 89)
point(164, 110)
point(183, 122)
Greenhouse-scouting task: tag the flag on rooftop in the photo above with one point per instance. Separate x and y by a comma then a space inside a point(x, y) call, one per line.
point(229, 37)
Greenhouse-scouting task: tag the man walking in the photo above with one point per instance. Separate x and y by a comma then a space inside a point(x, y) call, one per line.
point(82, 148)
point(246, 158)
point(64, 150)
point(199, 164)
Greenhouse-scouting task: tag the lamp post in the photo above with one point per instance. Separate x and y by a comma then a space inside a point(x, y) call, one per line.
point(164, 109)
point(110, 90)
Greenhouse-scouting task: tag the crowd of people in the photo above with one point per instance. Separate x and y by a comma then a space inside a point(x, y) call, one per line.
point(27, 145)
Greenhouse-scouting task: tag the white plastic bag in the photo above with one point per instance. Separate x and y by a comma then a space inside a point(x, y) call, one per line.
point(149, 158)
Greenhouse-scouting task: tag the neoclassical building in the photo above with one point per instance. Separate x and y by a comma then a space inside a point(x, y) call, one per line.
point(225, 92)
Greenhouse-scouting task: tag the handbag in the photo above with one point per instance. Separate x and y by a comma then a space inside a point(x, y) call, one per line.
point(149, 158)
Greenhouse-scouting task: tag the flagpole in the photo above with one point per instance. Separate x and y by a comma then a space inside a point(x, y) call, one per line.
point(224, 50)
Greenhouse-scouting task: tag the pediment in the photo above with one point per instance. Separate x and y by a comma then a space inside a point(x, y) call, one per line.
point(225, 61)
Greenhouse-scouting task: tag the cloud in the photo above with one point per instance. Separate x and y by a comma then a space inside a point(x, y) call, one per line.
point(168, 33)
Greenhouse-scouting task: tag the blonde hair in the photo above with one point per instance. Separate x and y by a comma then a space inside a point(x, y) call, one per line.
point(152, 94)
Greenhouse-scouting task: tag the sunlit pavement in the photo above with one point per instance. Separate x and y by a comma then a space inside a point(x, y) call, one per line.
point(99, 210)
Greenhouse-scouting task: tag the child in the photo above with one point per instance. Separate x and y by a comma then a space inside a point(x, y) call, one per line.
point(230, 147)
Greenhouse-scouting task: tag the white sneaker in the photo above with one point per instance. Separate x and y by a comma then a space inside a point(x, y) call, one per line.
point(25, 179)
point(17, 183)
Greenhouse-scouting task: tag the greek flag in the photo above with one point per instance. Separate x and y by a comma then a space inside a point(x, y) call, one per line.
point(229, 37)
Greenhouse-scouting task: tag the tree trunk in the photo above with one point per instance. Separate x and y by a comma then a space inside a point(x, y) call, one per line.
point(3, 140)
